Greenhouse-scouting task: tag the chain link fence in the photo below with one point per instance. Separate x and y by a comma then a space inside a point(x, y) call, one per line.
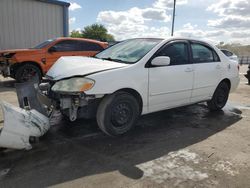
point(244, 60)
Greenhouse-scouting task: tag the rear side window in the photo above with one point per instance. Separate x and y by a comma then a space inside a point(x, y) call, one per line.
point(178, 53)
point(89, 46)
point(203, 54)
point(66, 46)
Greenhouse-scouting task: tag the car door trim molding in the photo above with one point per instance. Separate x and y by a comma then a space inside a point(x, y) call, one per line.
point(164, 93)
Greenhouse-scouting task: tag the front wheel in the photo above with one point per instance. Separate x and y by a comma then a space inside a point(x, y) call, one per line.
point(117, 113)
point(28, 72)
point(219, 98)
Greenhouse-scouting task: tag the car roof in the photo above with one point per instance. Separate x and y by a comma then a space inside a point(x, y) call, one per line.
point(82, 39)
point(175, 38)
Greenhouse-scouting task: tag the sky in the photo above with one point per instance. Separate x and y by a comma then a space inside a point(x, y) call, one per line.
point(225, 21)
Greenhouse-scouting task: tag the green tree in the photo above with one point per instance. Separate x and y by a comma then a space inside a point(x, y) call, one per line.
point(94, 31)
point(76, 34)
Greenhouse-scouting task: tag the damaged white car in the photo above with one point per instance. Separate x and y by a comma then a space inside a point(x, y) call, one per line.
point(136, 77)
point(140, 76)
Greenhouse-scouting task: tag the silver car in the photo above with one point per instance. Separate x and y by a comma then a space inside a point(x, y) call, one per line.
point(230, 55)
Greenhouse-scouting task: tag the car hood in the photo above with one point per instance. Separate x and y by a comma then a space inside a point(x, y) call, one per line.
point(18, 50)
point(66, 67)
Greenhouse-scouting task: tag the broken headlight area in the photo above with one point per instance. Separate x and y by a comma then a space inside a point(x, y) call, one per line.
point(69, 97)
point(73, 85)
point(8, 55)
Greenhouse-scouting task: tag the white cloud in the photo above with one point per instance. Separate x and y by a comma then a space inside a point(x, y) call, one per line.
point(72, 20)
point(231, 7)
point(192, 31)
point(241, 34)
point(233, 15)
point(189, 26)
point(122, 32)
point(168, 4)
point(74, 6)
point(230, 22)
point(155, 14)
point(135, 21)
point(130, 24)
point(133, 15)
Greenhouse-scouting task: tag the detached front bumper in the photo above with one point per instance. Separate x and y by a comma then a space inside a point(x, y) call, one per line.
point(29, 120)
point(20, 125)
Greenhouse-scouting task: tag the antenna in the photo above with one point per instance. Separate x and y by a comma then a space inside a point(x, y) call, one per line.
point(173, 18)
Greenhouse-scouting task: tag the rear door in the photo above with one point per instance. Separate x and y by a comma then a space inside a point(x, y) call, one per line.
point(170, 86)
point(207, 71)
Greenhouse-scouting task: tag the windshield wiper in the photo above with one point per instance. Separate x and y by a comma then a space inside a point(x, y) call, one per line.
point(116, 60)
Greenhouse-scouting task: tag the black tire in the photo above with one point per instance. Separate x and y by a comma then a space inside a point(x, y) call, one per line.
point(27, 73)
point(219, 98)
point(117, 113)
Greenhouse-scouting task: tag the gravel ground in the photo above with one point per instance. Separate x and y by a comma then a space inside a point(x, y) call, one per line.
point(183, 147)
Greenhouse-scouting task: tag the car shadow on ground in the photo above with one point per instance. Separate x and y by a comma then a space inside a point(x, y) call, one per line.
point(67, 153)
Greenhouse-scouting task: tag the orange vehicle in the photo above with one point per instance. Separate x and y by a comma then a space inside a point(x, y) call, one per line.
point(25, 64)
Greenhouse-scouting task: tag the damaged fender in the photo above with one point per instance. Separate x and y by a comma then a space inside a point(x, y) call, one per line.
point(20, 125)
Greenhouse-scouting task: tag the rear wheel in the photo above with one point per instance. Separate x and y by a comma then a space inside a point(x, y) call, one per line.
point(117, 113)
point(27, 73)
point(220, 97)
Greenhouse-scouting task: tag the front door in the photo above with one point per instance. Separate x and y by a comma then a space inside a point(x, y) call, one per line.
point(171, 86)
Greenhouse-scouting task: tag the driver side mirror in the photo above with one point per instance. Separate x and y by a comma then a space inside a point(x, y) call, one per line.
point(52, 49)
point(161, 61)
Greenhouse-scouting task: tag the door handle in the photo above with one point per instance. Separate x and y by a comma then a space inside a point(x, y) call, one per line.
point(189, 69)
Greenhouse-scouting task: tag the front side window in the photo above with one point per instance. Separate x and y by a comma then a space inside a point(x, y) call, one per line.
point(203, 54)
point(177, 52)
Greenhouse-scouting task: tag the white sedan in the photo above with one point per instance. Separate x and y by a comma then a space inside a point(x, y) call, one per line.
point(140, 76)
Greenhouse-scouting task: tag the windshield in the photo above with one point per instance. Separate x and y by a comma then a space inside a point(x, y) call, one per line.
point(129, 51)
point(44, 44)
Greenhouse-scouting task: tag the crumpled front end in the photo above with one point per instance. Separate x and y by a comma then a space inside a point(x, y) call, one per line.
point(4, 68)
point(20, 125)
